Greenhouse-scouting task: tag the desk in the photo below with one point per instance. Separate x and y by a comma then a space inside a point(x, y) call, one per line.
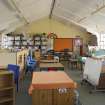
point(3, 67)
point(48, 61)
point(46, 66)
point(73, 63)
point(70, 53)
point(52, 88)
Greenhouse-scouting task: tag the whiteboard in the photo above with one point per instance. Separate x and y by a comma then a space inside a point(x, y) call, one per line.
point(92, 71)
point(63, 43)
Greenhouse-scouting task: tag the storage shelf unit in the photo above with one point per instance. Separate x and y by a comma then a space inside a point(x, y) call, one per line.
point(35, 41)
point(17, 41)
point(40, 42)
point(6, 88)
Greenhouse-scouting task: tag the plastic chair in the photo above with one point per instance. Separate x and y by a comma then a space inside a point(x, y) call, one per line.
point(30, 64)
point(15, 70)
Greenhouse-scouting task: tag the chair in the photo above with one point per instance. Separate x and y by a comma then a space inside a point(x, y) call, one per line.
point(56, 58)
point(30, 64)
point(15, 70)
point(50, 52)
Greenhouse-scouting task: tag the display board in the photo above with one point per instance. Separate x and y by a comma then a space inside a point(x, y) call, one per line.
point(92, 70)
point(63, 43)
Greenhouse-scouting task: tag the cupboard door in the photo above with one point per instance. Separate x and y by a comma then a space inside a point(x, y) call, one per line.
point(63, 97)
point(42, 97)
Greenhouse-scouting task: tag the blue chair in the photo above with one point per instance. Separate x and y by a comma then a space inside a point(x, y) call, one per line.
point(15, 70)
point(30, 64)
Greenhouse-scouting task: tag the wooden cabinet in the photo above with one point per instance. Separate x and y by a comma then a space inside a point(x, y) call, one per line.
point(52, 88)
point(6, 88)
point(92, 40)
point(53, 97)
point(64, 97)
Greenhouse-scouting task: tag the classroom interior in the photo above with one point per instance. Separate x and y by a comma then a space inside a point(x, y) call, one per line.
point(52, 52)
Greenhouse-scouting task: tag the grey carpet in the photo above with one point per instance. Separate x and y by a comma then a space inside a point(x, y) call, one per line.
point(97, 98)
point(22, 98)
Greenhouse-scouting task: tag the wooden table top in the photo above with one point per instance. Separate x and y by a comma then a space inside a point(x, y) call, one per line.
point(52, 80)
point(48, 61)
point(3, 67)
point(5, 72)
point(70, 53)
point(73, 60)
point(45, 65)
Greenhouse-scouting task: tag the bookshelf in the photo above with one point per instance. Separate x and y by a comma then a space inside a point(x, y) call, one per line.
point(16, 41)
point(37, 41)
point(41, 42)
point(7, 96)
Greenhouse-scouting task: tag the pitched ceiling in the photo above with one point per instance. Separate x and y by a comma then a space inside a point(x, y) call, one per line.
point(8, 17)
point(89, 14)
point(34, 9)
point(15, 13)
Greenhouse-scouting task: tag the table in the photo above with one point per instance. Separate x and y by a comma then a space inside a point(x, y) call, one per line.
point(48, 61)
point(52, 88)
point(70, 53)
point(73, 63)
point(49, 66)
point(3, 67)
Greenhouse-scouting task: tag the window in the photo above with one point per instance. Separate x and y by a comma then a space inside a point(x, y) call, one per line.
point(101, 41)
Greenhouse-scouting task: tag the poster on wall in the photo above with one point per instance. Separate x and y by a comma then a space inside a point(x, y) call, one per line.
point(77, 42)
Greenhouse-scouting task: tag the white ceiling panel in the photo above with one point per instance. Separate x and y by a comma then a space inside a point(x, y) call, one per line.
point(32, 9)
point(8, 15)
point(19, 12)
point(80, 8)
point(86, 13)
point(76, 6)
point(89, 14)
point(96, 21)
point(102, 12)
point(23, 3)
point(67, 14)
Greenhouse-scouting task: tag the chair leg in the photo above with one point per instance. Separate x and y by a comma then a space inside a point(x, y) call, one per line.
point(21, 84)
point(26, 70)
point(17, 85)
